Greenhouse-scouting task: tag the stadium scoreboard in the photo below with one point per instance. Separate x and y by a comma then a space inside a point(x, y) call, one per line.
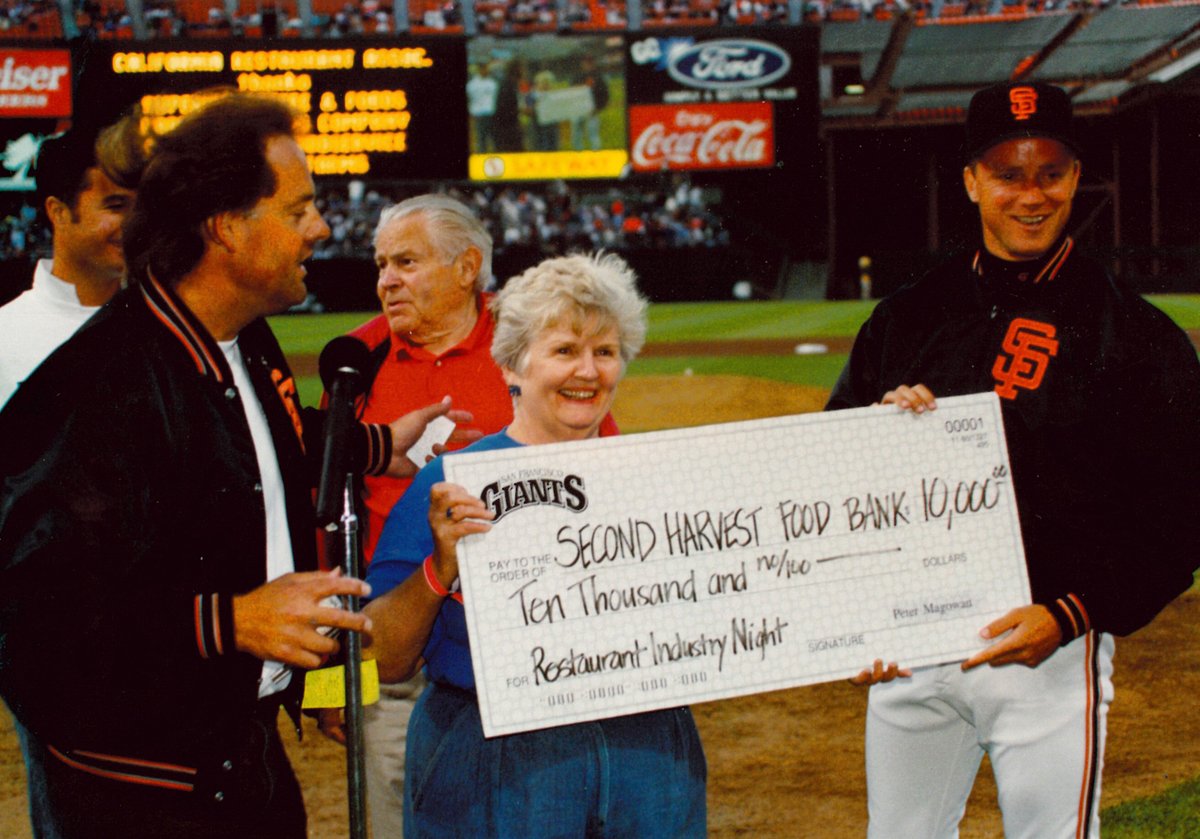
point(563, 106)
point(384, 111)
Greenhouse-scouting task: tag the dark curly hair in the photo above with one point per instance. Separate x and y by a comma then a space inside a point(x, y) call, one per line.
point(213, 162)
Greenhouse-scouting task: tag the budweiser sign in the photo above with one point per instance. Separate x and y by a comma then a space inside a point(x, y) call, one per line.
point(35, 83)
point(707, 136)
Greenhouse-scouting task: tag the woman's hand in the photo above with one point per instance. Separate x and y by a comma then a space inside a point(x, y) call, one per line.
point(453, 513)
point(404, 617)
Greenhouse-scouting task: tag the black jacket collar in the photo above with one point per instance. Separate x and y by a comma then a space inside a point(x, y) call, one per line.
point(186, 328)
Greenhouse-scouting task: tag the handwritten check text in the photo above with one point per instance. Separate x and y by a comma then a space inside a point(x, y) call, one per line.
point(633, 573)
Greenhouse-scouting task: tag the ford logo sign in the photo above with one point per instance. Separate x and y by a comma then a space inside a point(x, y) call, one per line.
point(729, 63)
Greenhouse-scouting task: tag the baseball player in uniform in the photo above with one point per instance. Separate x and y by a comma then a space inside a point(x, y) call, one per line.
point(1100, 393)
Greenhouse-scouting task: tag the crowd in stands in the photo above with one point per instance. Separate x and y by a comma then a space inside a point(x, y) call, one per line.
point(30, 18)
point(339, 18)
point(552, 217)
point(854, 10)
point(21, 236)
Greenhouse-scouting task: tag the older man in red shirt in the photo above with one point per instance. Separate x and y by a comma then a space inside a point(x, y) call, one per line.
point(434, 336)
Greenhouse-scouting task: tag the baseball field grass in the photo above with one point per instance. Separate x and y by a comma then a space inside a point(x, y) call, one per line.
point(1184, 309)
point(1172, 814)
point(716, 324)
point(821, 332)
point(803, 343)
point(668, 322)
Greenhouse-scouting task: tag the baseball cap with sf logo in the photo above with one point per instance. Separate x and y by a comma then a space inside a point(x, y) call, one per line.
point(1017, 110)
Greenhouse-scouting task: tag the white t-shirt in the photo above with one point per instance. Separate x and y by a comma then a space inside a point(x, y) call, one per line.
point(35, 325)
point(275, 676)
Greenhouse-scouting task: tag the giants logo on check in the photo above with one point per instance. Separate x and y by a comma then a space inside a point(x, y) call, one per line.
point(514, 493)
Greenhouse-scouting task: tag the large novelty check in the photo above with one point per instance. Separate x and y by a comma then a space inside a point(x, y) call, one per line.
point(641, 572)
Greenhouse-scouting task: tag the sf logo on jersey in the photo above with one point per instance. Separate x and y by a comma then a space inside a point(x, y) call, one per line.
point(1026, 353)
point(287, 394)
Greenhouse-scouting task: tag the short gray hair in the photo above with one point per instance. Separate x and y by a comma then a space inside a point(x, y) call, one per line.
point(568, 289)
point(451, 225)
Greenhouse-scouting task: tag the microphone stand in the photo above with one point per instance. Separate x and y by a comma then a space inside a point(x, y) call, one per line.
point(355, 750)
point(342, 363)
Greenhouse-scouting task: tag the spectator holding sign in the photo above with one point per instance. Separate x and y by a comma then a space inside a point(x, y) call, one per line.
point(565, 330)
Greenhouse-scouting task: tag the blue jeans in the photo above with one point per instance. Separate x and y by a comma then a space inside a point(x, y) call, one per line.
point(640, 776)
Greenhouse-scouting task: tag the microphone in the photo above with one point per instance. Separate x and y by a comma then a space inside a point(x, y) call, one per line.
point(344, 357)
point(343, 366)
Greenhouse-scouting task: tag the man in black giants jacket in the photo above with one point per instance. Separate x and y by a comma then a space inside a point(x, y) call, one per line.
point(157, 567)
point(1100, 395)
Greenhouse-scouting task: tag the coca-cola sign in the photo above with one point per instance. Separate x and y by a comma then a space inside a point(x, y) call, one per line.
point(35, 83)
point(729, 63)
point(704, 136)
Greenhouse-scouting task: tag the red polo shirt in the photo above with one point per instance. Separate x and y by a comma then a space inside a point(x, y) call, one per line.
point(411, 377)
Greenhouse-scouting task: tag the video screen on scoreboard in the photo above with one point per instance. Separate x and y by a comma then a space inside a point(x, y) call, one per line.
point(378, 110)
point(546, 107)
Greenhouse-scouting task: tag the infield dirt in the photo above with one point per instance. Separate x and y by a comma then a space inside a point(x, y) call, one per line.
point(788, 764)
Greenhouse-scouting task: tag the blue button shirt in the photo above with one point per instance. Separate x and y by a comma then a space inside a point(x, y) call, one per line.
point(403, 546)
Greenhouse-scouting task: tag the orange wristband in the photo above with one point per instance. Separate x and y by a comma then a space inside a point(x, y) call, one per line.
point(431, 578)
point(434, 584)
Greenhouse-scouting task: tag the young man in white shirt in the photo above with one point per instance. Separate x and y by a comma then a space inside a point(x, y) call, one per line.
point(85, 188)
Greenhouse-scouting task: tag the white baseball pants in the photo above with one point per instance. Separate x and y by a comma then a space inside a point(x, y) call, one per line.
point(1043, 729)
